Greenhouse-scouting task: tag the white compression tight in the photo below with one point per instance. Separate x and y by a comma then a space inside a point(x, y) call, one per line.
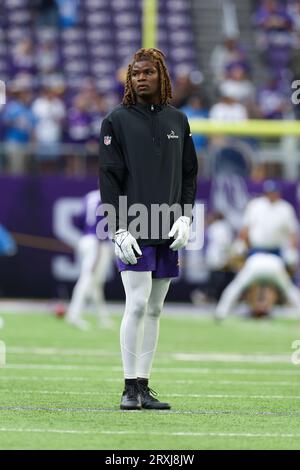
point(140, 325)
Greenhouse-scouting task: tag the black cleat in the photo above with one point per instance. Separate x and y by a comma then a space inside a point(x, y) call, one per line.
point(131, 399)
point(148, 400)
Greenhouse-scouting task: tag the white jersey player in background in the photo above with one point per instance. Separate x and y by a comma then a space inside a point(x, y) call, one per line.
point(270, 234)
point(259, 269)
point(96, 260)
point(270, 224)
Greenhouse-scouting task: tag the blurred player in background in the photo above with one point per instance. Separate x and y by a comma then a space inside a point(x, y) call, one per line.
point(219, 238)
point(269, 238)
point(8, 247)
point(270, 225)
point(146, 154)
point(96, 260)
point(266, 277)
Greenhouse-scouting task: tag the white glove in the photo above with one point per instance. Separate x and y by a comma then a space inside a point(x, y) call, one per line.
point(124, 245)
point(182, 228)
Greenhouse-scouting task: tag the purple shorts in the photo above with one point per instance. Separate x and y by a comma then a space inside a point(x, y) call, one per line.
point(159, 259)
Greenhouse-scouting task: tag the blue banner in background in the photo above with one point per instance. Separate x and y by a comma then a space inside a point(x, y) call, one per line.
point(40, 212)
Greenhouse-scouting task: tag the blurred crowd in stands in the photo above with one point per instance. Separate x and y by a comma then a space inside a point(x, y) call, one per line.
point(277, 27)
point(47, 113)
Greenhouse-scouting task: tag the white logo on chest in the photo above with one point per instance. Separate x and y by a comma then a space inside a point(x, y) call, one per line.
point(107, 139)
point(172, 135)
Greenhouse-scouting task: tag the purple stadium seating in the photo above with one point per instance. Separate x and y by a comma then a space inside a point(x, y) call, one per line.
point(107, 34)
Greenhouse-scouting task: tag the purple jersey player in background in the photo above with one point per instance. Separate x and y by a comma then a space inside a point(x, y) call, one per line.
point(96, 258)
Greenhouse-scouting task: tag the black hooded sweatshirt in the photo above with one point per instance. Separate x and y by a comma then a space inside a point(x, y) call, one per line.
point(147, 154)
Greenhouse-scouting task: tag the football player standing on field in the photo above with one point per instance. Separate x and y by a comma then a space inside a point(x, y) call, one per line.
point(146, 155)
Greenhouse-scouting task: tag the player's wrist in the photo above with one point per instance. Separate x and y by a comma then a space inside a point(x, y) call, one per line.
point(186, 220)
point(119, 233)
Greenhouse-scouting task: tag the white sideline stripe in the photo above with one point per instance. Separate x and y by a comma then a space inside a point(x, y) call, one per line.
point(120, 380)
point(225, 357)
point(189, 370)
point(181, 356)
point(152, 433)
point(171, 395)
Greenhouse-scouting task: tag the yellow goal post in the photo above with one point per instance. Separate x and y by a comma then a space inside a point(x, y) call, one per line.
point(251, 127)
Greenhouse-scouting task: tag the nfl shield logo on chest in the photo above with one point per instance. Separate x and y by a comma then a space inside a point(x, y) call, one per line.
point(107, 139)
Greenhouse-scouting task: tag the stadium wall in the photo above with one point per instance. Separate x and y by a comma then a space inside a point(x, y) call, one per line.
point(40, 212)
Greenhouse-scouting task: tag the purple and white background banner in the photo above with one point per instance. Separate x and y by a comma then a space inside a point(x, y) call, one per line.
point(45, 207)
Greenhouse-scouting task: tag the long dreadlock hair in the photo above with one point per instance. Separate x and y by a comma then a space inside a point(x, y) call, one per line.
point(158, 58)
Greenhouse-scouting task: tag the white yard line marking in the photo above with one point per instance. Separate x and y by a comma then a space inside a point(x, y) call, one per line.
point(31, 378)
point(42, 351)
point(163, 380)
point(152, 433)
point(62, 367)
point(171, 395)
point(226, 357)
point(180, 356)
point(187, 370)
point(221, 395)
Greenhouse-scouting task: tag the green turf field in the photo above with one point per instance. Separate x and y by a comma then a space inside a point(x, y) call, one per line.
point(231, 386)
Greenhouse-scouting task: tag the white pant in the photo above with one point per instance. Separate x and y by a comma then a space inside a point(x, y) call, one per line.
point(140, 325)
point(258, 267)
point(96, 259)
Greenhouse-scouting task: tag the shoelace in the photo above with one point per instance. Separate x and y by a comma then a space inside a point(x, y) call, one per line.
point(152, 392)
point(148, 390)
